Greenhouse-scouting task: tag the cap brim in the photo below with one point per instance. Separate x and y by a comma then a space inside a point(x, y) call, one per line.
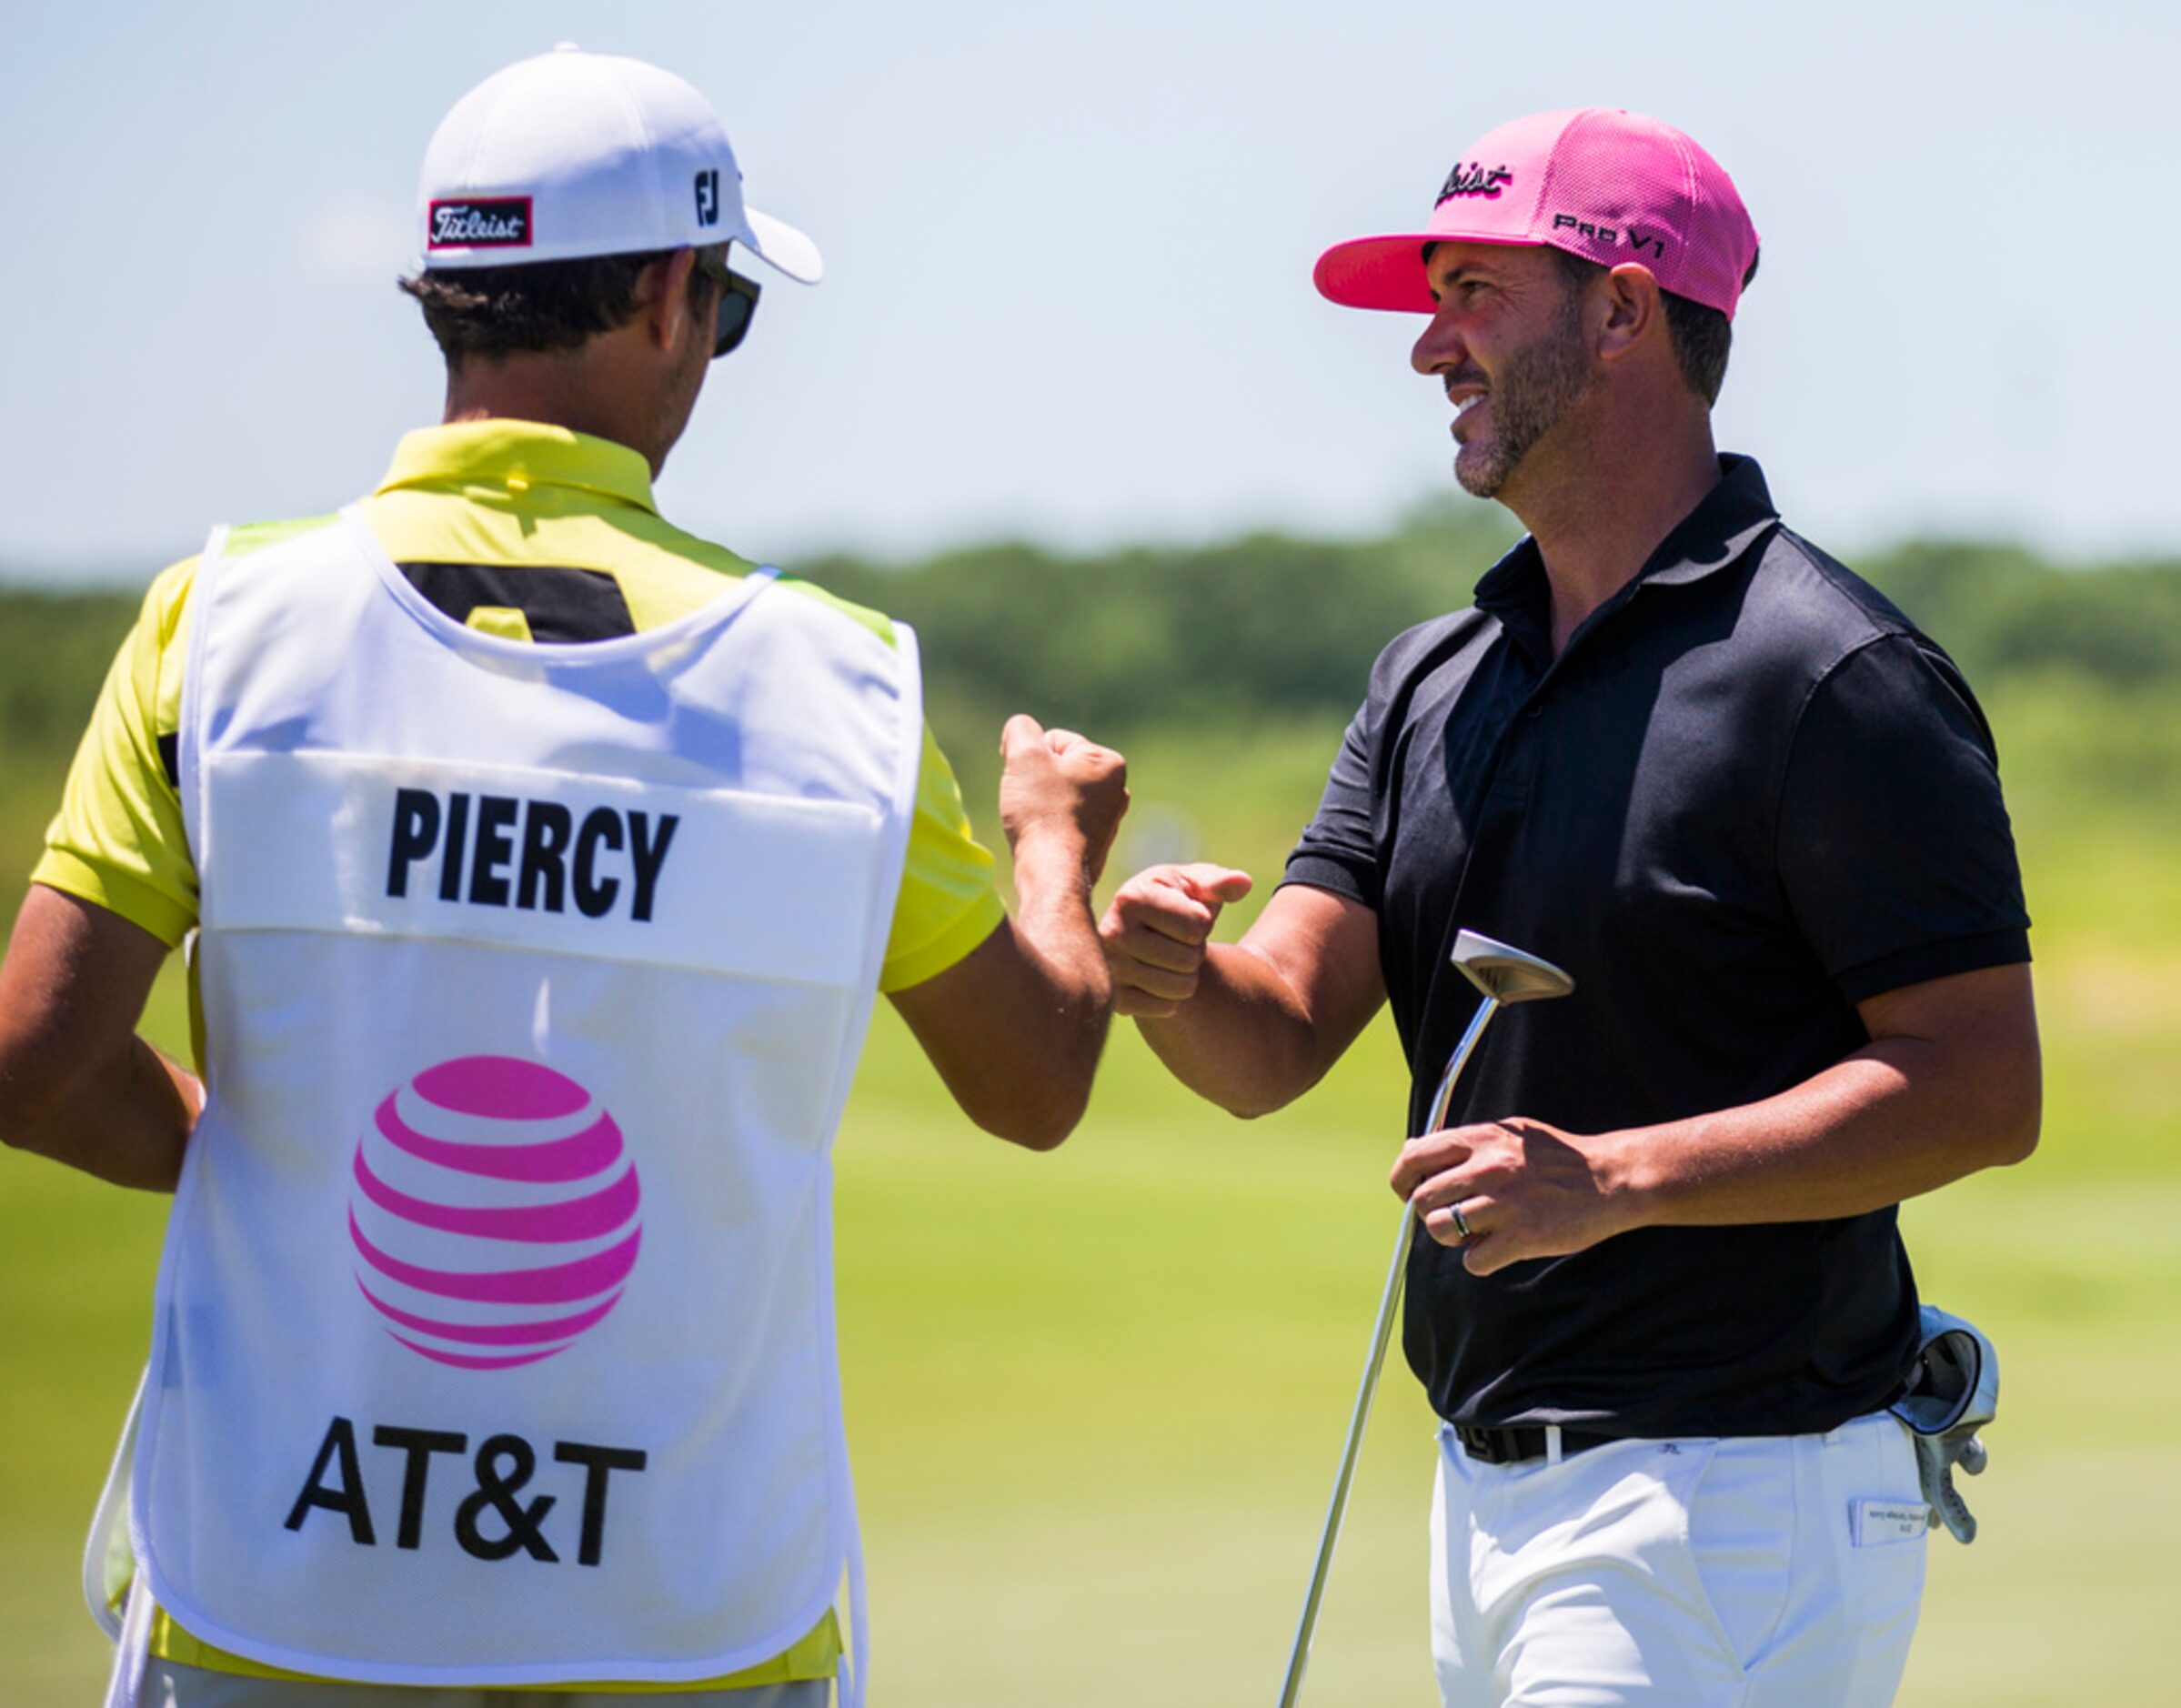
point(784, 248)
point(1388, 272)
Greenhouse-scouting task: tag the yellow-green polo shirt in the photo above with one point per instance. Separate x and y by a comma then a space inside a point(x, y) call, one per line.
point(500, 495)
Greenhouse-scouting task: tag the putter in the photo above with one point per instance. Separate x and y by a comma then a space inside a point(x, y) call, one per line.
point(1503, 974)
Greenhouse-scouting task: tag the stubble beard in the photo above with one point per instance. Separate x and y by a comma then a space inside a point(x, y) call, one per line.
point(1540, 383)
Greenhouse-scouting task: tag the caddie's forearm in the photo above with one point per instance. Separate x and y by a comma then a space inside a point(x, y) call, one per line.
point(1015, 1027)
point(127, 1123)
point(1059, 937)
point(76, 1083)
point(1243, 1040)
point(1052, 895)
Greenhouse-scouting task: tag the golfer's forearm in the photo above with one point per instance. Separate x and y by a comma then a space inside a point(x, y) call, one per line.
point(1245, 1040)
point(127, 1122)
point(1898, 1117)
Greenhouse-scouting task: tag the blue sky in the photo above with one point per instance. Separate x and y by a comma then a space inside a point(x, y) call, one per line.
point(1068, 255)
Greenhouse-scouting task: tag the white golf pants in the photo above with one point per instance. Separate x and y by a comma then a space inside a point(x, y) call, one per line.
point(1755, 1572)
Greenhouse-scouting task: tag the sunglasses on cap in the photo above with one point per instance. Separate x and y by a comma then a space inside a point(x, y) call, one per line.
point(737, 301)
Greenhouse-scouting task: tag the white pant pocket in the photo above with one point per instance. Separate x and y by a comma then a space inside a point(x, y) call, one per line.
point(1741, 1513)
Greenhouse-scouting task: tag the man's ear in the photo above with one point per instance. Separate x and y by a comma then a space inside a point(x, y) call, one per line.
point(1635, 310)
point(663, 297)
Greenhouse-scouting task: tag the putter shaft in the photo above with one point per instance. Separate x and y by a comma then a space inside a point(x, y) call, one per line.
point(1374, 1362)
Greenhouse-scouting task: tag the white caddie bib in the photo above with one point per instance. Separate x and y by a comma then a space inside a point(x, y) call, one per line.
point(494, 1327)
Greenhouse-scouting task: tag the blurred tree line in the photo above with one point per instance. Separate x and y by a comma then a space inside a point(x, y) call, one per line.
point(1267, 628)
point(55, 649)
point(1274, 625)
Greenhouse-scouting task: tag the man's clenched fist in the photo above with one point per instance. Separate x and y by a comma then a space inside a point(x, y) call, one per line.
point(1056, 781)
point(1156, 929)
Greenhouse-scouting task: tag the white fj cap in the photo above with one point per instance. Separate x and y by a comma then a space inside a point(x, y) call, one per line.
point(574, 153)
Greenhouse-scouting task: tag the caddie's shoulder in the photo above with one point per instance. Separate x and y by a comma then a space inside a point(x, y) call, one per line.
point(877, 622)
point(249, 538)
point(166, 598)
point(165, 617)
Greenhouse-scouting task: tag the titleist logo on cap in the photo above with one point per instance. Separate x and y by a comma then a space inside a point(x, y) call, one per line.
point(486, 221)
point(1466, 179)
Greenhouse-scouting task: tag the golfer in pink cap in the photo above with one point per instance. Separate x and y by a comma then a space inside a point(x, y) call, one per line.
point(1695, 1420)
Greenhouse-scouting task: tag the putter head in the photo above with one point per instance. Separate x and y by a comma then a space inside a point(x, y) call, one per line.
point(1507, 974)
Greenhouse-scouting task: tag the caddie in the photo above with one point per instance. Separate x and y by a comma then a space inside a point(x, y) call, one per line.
point(1679, 751)
point(543, 862)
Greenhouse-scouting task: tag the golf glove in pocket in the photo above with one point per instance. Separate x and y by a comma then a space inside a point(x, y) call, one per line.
point(1936, 1456)
point(1953, 1393)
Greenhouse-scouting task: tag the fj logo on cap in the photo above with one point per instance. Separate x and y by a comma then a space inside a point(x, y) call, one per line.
point(707, 196)
point(1474, 180)
point(488, 222)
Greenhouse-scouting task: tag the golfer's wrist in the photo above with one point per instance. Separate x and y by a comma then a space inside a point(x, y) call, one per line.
point(1633, 1183)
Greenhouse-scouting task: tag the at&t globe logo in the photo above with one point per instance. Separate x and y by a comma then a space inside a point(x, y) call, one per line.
point(494, 1212)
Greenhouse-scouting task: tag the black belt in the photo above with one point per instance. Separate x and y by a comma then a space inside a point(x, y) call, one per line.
point(1512, 1445)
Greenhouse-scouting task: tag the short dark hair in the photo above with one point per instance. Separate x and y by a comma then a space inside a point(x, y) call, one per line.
point(1702, 337)
point(542, 305)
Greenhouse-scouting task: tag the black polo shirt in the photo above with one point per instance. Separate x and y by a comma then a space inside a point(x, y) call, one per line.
point(1746, 796)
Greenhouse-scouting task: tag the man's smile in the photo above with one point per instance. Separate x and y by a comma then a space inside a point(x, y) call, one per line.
point(1465, 397)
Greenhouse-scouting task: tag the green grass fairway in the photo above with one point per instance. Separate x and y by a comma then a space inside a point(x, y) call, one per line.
point(1096, 1397)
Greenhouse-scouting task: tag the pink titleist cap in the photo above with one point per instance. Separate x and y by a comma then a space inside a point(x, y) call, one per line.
point(1608, 186)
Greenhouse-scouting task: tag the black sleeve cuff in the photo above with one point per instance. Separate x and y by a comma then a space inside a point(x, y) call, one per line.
point(1930, 960)
point(1321, 871)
